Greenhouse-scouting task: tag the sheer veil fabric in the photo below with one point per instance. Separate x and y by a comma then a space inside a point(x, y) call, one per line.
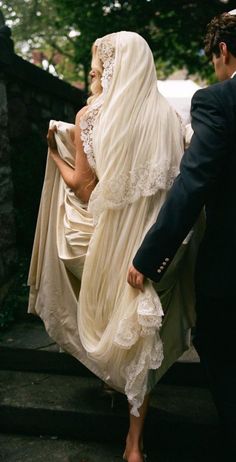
point(81, 254)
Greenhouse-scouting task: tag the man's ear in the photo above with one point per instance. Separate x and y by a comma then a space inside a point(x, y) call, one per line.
point(224, 52)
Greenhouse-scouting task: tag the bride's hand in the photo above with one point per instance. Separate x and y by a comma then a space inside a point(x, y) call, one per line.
point(51, 140)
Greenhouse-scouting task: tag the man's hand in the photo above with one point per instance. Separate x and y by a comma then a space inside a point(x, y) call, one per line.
point(135, 278)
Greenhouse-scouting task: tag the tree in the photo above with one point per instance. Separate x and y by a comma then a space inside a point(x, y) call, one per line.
point(177, 33)
point(36, 27)
point(64, 30)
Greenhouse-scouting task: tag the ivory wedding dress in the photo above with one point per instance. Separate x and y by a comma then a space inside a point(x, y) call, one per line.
point(82, 252)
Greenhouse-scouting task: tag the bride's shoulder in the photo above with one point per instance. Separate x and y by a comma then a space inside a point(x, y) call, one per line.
point(80, 113)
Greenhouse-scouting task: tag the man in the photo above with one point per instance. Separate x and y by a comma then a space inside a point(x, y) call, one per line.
point(207, 178)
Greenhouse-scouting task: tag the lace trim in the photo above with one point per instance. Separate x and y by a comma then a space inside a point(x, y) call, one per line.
point(182, 125)
point(146, 324)
point(143, 181)
point(137, 373)
point(106, 51)
point(147, 320)
point(86, 125)
point(149, 315)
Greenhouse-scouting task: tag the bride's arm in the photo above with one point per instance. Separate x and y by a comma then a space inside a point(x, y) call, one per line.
point(82, 179)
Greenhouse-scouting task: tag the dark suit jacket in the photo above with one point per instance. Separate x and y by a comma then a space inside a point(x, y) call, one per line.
point(207, 177)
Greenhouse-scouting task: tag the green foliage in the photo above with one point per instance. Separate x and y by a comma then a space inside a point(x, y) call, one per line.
point(100, 17)
point(64, 30)
point(37, 27)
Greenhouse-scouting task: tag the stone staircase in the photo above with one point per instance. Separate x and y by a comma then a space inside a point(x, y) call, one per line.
point(45, 393)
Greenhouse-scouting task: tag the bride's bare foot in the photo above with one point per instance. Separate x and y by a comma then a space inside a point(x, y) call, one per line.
point(133, 451)
point(134, 456)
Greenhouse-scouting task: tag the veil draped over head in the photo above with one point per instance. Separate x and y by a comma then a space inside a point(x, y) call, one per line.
point(137, 139)
point(133, 141)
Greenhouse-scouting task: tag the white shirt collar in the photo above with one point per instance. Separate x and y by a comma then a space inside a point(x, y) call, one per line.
point(233, 75)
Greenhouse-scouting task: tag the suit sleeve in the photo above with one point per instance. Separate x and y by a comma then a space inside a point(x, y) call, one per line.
point(199, 169)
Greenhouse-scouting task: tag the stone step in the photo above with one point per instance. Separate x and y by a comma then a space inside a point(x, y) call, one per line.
point(27, 347)
point(23, 448)
point(69, 406)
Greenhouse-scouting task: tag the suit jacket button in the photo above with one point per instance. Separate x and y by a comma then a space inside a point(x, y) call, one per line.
point(167, 259)
point(159, 271)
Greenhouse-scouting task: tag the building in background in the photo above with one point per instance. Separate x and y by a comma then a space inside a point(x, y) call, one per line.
point(179, 94)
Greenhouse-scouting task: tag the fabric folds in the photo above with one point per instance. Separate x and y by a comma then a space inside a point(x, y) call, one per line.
point(82, 252)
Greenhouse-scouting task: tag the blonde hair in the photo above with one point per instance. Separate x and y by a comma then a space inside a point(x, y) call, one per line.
point(96, 65)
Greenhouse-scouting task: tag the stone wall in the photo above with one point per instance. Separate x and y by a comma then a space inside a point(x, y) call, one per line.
point(29, 98)
point(7, 224)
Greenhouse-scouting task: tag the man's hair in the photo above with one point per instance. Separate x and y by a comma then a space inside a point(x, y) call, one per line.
point(222, 28)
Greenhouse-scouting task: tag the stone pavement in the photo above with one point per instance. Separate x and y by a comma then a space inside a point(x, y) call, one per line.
point(52, 409)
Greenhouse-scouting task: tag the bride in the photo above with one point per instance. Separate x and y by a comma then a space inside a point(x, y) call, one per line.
point(105, 182)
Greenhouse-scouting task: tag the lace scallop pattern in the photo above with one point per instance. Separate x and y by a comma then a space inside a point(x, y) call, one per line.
point(146, 326)
point(143, 181)
point(86, 125)
point(106, 51)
